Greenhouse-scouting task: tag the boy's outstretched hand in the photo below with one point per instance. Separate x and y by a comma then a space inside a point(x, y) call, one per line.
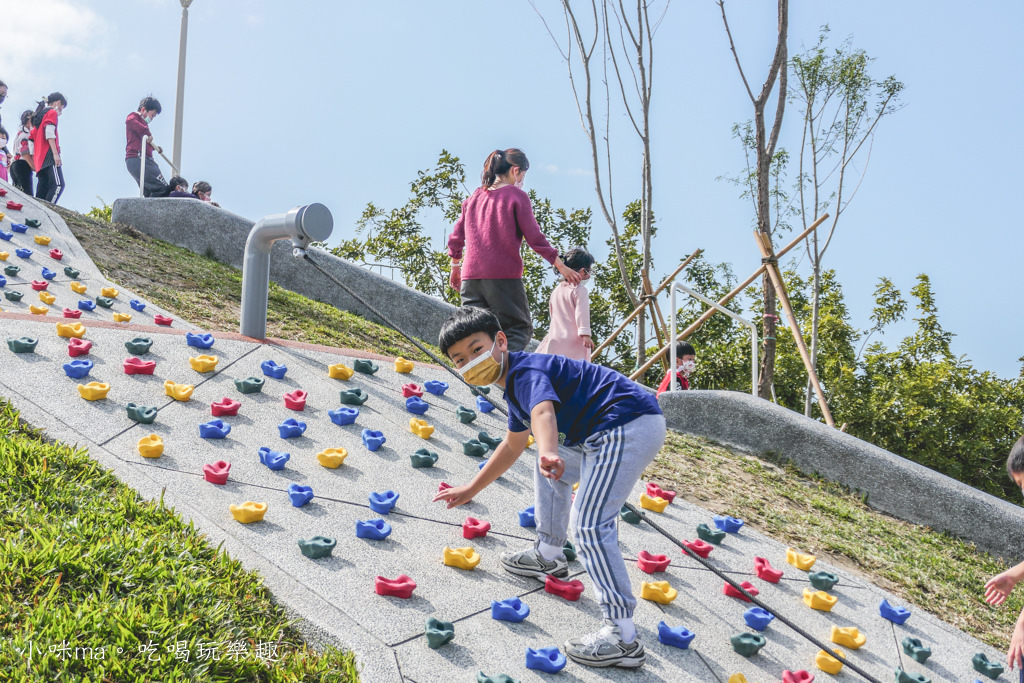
point(552, 466)
point(998, 588)
point(455, 496)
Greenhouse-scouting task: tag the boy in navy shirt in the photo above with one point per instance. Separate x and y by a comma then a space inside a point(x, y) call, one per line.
point(611, 427)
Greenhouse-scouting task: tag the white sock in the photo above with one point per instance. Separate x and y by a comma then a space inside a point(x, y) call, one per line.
point(549, 552)
point(627, 628)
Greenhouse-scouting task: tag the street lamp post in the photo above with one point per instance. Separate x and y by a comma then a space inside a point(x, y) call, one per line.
point(180, 101)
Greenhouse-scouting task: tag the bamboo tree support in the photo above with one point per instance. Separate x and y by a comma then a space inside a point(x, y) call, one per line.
point(657, 318)
point(723, 301)
point(772, 264)
point(639, 309)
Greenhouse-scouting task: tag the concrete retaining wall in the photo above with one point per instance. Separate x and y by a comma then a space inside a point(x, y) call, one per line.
point(893, 485)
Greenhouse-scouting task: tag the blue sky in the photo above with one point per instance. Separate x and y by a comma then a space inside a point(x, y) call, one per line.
point(342, 102)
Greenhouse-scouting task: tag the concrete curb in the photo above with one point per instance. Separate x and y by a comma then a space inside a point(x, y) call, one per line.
point(894, 485)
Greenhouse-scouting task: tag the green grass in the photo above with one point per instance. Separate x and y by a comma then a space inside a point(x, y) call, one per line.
point(941, 574)
point(88, 564)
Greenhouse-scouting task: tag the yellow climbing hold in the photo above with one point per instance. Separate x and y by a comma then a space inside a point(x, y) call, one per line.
point(78, 287)
point(332, 457)
point(76, 330)
point(339, 371)
point(829, 663)
point(402, 365)
point(122, 318)
point(4, 255)
point(737, 678)
point(658, 591)
point(850, 637)
point(420, 428)
point(248, 512)
point(42, 239)
point(38, 310)
point(530, 440)
point(47, 298)
point(799, 560)
point(109, 292)
point(463, 558)
point(151, 446)
point(93, 391)
point(179, 392)
point(819, 600)
point(575, 486)
point(203, 363)
point(657, 504)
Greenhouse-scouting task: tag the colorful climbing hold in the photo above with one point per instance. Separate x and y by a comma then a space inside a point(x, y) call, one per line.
point(214, 429)
point(39, 285)
point(383, 502)
point(731, 591)
point(199, 341)
point(79, 347)
point(71, 272)
point(421, 457)
point(474, 448)
point(547, 659)
point(291, 428)
point(373, 439)
point(7, 236)
point(403, 366)
point(139, 346)
point(11, 271)
point(765, 571)
point(897, 615)
point(225, 407)
point(151, 446)
point(658, 591)
point(629, 516)
point(109, 292)
point(527, 517)
point(32, 222)
point(217, 472)
point(570, 590)
point(250, 385)
point(274, 460)
point(436, 387)
point(367, 367)
point(569, 550)
point(272, 369)
point(475, 528)
point(317, 547)
point(56, 254)
point(68, 313)
point(655, 504)
point(332, 458)
point(339, 371)
point(203, 363)
point(299, 494)
point(416, 405)
point(655, 491)
point(86, 305)
point(401, 587)
point(47, 298)
point(916, 650)
point(483, 405)
point(676, 636)
point(465, 415)
point(23, 253)
point(179, 392)
point(104, 302)
point(141, 414)
point(68, 330)
point(137, 305)
point(342, 416)
point(713, 536)
point(829, 662)
point(849, 636)
point(13, 295)
point(800, 676)
point(77, 369)
point(480, 391)
point(295, 400)
point(47, 273)
point(19, 228)
point(14, 206)
point(461, 558)
point(438, 632)
point(38, 310)
point(651, 563)
point(986, 668)
point(907, 677)
point(823, 581)
point(93, 391)
point(488, 440)
point(374, 529)
point(420, 428)
point(800, 560)
point(248, 512)
point(747, 644)
point(512, 609)
point(758, 618)
point(137, 366)
point(353, 397)
point(729, 525)
point(164, 320)
point(42, 240)
point(22, 344)
point(819, 600)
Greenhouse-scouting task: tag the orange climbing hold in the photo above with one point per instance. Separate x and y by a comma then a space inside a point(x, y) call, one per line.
point(151, 446)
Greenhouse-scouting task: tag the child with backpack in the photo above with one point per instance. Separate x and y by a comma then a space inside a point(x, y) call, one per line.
point(21, 167)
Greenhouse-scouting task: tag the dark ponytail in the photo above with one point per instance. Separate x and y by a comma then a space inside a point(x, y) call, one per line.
point(43, 105)
point(500, 162)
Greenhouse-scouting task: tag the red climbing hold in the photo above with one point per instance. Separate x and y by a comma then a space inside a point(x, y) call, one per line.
point(78, 347)
point(412, 390)
point(40, 285)
point(765, 571)
point(13, 205)
point(651, 563)
point(162, 319)
point(699, 547)
point(797, 676)
point(56, 254)
point(217, 473)
point(69, 313)
point(295, 400)
point(475, 528)
point(728, 589)
point(570, 590)
point(225, 407)
point(655, 491)
point(402, 587)
point(442, 486)
point(137, 366)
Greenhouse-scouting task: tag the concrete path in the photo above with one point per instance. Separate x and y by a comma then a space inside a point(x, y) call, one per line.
point(335, 596)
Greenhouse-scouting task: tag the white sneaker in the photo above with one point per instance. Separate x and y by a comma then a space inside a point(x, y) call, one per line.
point(530, 563)
point(606, 648)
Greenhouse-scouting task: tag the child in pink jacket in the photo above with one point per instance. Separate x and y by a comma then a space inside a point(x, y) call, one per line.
point(569, 334)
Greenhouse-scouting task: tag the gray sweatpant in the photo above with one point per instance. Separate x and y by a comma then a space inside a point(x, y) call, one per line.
point(607, 466)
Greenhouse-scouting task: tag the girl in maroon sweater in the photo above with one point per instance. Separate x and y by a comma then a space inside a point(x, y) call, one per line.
point(495, 220)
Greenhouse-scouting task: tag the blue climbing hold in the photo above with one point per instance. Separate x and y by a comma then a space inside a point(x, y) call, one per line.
point(137, 305)
point(436, 387)
point(757, 618)
point(299, 495)
point(527, 517)
point(3, 281)
point(512, 609)
point(483, 405)
point(547, 659)
point(8, 236)
point(384, 502)
point(87, 305)
point(49, 274)
point(416, 405)
point(483, 464)
point(23, 253)
point(200, 341)
point(896, 615)
point(343, 416)
point(272, 369)
point(77, 369)
point(676, 636)
point(214, 429)
point(373, 439)
point(273, 459)
point(729, 525)
point(19, 228)
point(375, 529)
point(291, 428)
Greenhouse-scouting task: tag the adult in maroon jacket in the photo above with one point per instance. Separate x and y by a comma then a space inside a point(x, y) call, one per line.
point(46, 145)
point(136, 127)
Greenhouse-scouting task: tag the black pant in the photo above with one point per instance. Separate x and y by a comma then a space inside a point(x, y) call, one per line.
point(21, 174)
point(507, 300)
point(50, 183)
point(156, 186)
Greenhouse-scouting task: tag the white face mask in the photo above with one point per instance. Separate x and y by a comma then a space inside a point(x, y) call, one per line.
point(688, 367)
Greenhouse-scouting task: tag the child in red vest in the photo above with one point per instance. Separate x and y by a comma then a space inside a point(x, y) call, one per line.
point(46, 148)
point(686, 363)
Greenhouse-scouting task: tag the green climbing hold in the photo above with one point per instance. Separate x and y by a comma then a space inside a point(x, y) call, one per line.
point(13, 295)
point(629, 516)
point(907, 677)
point(481, 677)
point(985, 667)
point(12, 270)
point(465, 415)
point(439, 632)
point(22, 344)
point(569, 550)
point(141, 414)
point(104, 301)
point(250, 385)
point(488, 440)
point(139, 346)
point(481, 390)
point(71, 272)
point(353, 397)
point(823, 581)
point(747, 644)
point(713, 536)
point(916, 650)
point(474, 448)
point(423, 458)
point(317, 547)
point(366, 367)
point(32, 222)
